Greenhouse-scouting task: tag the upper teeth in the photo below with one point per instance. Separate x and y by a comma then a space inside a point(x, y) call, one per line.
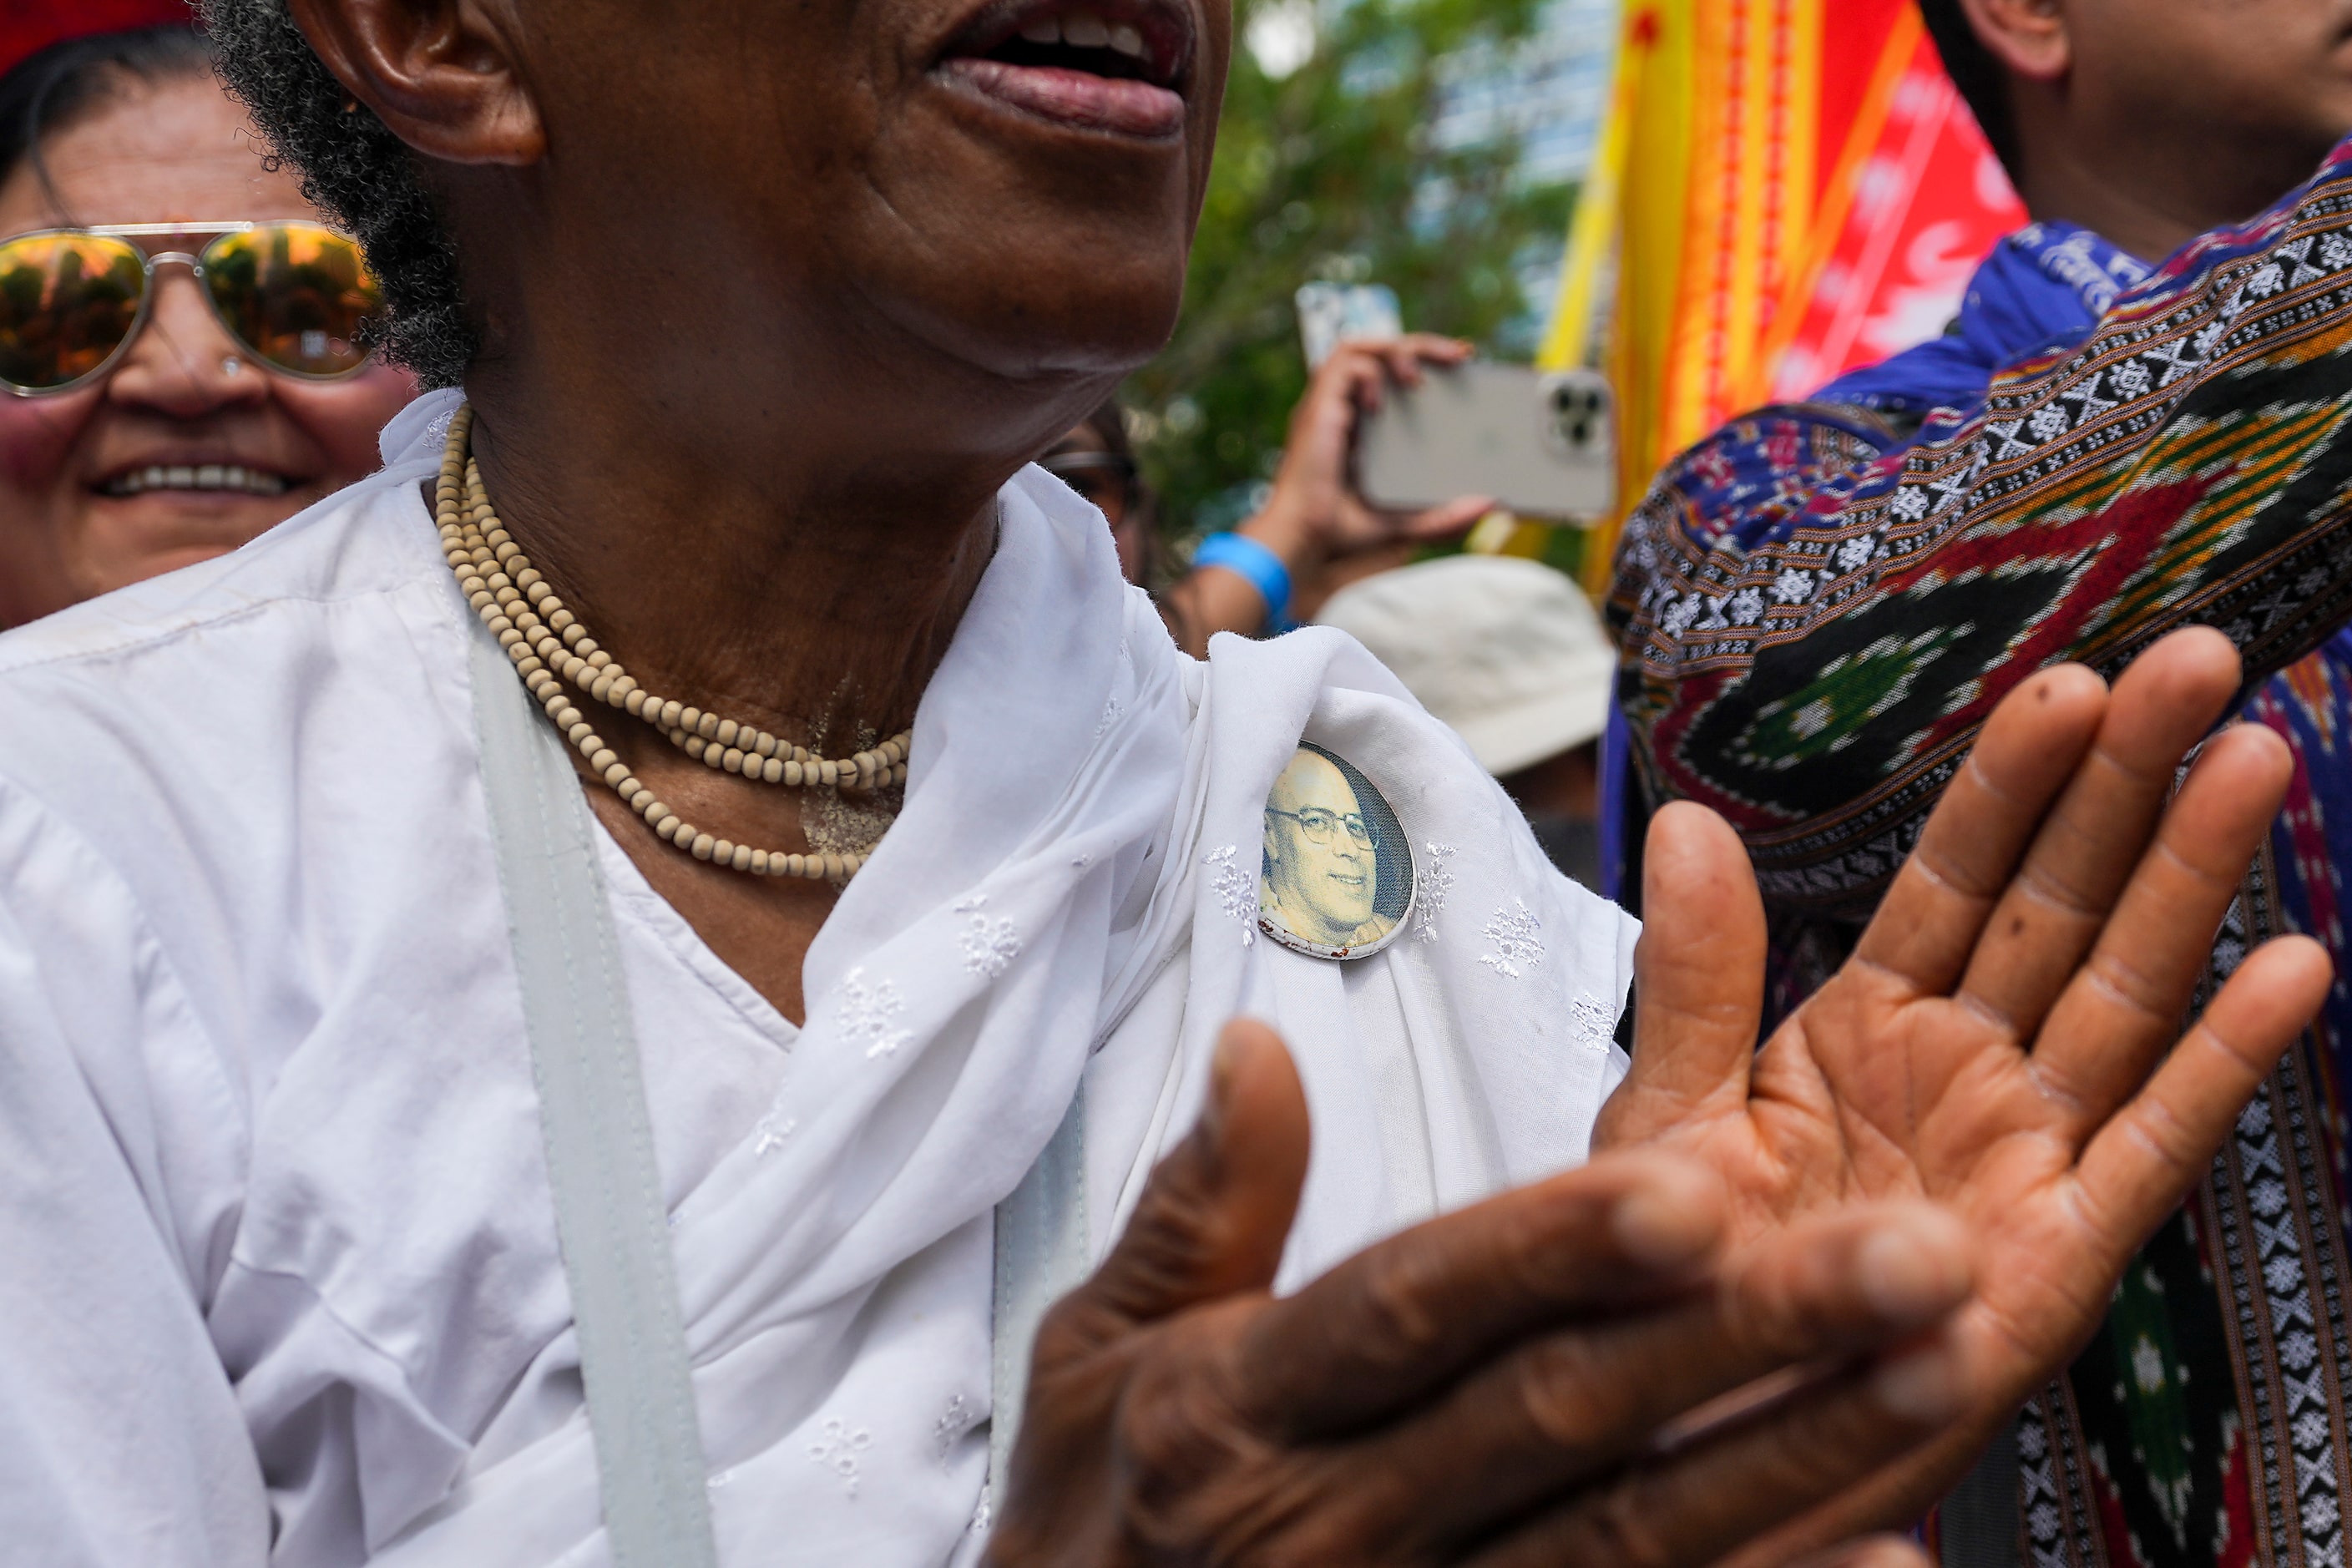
point(209, 476)
point(1086, 30)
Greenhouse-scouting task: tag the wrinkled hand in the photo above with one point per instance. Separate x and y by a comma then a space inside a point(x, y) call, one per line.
point(1514, 1383)
point(1313, 503)
point(1999, 1042)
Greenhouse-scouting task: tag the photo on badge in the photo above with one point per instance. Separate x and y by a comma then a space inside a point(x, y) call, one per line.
point(1336, 878)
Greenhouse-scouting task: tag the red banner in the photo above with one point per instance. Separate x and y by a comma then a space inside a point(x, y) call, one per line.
point(1912, 203)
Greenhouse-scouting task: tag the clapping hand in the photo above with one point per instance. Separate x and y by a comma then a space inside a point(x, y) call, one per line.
point(2003, 1041)
point(1499, 1386)
point(1875, 1236)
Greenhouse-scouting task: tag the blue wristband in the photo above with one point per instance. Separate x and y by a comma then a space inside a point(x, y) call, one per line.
point(1255, 564)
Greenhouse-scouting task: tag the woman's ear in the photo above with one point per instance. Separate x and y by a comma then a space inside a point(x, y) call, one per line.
point(2029, 37)
point(440, 73)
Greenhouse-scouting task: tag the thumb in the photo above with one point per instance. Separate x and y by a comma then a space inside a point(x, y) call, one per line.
point(1212, 1219)
point(1699, 978)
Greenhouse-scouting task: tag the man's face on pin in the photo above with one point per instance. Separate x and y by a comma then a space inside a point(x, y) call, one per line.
point(1321, 869)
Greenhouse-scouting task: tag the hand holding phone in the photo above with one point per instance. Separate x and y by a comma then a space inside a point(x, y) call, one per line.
point(1541, 444)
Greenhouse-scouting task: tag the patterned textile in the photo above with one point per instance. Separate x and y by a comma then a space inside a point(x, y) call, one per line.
point(1820, 603)
point(2043, 286)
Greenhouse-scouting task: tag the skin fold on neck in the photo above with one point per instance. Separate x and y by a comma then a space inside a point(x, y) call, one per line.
point(813, 594)
point(766, 317)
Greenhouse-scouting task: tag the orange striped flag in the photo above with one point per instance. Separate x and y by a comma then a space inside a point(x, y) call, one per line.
point(1789, 188)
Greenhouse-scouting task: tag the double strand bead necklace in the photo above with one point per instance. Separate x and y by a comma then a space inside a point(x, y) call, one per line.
point(550, 646)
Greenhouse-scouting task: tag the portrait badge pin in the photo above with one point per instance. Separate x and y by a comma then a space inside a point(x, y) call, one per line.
point(1335, 879)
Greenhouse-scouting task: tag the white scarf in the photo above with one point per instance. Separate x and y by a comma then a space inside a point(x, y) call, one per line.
point(1055, 893)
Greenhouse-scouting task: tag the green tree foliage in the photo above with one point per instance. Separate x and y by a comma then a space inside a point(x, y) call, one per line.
point(1332, 172)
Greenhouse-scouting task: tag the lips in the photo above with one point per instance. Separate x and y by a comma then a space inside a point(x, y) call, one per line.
point(1115, 66)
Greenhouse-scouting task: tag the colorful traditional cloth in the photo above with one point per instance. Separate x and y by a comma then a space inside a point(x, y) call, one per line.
point(1820, 603)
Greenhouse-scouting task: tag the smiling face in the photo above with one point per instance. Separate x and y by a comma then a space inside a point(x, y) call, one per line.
point(1324, 890)
point(928, 227)
point(168, 459)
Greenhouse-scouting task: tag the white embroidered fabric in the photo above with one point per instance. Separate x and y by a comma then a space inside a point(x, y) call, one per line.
point(290, 1294)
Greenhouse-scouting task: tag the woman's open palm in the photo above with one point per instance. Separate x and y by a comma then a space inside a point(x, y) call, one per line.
point(2006, 1040)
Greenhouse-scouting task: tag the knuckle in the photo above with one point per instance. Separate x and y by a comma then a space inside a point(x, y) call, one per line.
point(1202, 1487)
point(1396, 1294)
point(1178, 1427)
point(1772, 1311)
point(1559, 1388)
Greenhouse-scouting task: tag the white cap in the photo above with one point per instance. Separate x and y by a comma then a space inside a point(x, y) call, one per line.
point(1506, 650)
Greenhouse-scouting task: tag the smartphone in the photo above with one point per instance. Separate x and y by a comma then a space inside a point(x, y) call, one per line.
point(1541, 444)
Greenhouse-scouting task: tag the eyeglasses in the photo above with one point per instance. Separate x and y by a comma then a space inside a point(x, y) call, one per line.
point(1317, 825)
point(293, 295)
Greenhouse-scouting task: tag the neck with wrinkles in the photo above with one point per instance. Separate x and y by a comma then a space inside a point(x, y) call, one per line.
point(813, 592)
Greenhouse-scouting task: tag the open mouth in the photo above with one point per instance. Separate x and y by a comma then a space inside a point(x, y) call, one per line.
point(1114, 66)
point(234, 479)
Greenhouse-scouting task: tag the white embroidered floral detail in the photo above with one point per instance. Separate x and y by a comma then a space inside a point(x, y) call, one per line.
point(1113, 708)
point(954, 1420)
point(1594, 1021)
point(1236, 889)
point(867, 1013)
point(1516, 936)
point(771, 1129)
point(984, 1518)
point(838, 1453)
point(989, 946)
point(1431, 882)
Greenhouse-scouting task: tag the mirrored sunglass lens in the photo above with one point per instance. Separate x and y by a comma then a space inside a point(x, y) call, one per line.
point(67, 302)
point(295, 294)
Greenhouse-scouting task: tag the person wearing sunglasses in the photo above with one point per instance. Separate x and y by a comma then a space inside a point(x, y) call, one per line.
point(460, 1104)
point(181, 366)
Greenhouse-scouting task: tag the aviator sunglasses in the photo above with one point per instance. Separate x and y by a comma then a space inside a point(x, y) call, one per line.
point(293, 295)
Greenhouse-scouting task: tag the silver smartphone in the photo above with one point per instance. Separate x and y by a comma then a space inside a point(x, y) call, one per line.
point(1542, 445)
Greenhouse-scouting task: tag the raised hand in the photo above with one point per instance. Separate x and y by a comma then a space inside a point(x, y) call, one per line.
point(1521, 1382)
point(1999, 1041)
point(1313, 499)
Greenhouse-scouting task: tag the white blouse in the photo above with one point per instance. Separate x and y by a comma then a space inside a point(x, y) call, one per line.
point(278, 1279)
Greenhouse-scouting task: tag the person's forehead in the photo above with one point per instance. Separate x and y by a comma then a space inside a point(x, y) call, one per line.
point(1310, 780)
point(177, 151)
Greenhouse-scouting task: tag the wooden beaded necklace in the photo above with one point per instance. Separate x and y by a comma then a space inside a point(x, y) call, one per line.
point(548, 646)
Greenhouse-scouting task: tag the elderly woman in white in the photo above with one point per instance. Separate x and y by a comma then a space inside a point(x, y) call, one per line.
point(576, 1002)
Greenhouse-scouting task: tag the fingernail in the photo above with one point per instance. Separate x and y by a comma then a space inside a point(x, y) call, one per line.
point(1922, 1385)
point(1664, 1224)
point(1907, 1279)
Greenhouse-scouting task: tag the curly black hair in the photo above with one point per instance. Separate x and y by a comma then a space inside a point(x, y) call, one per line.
point(354, 168)
point(1977, 74)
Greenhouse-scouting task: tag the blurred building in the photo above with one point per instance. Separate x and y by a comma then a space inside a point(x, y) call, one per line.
point(1550, 91)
